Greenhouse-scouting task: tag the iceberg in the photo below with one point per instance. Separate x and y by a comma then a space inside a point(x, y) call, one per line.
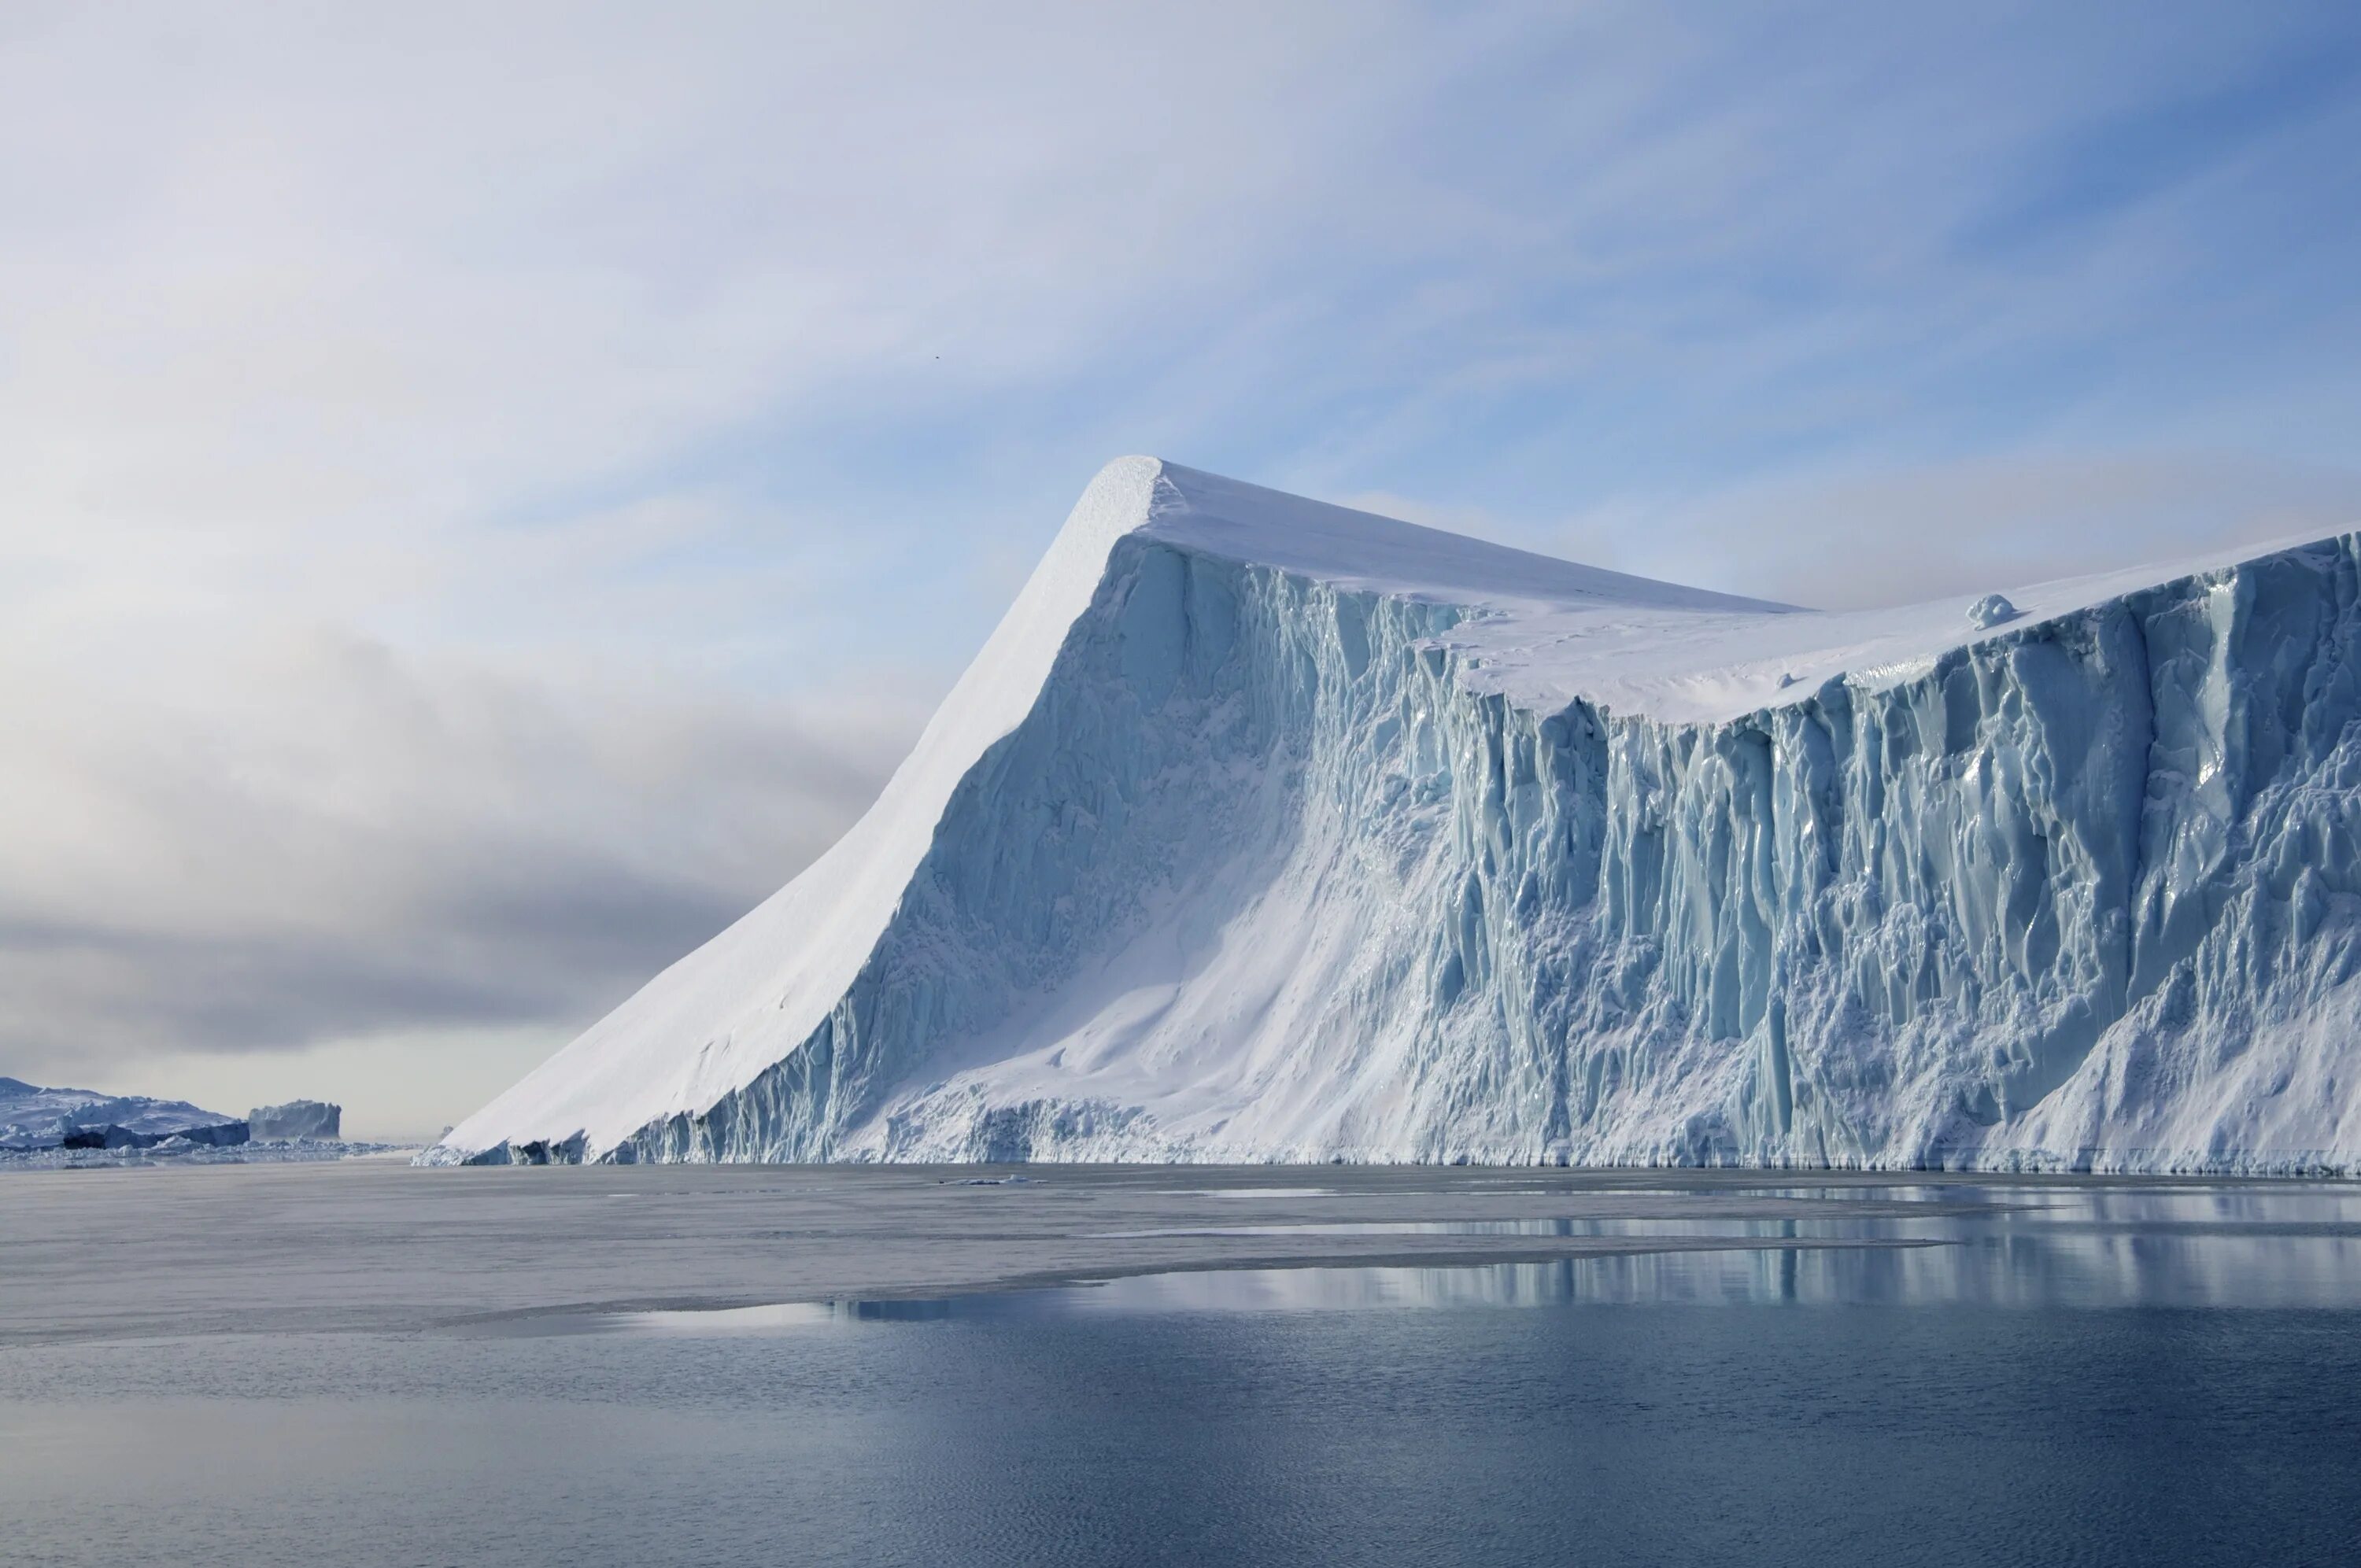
point(1266, 830)
point(316, 1120)
point(33, 1118)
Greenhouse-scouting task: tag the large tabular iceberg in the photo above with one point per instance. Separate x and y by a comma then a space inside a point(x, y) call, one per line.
point(1263, 830)
point(317, 1120)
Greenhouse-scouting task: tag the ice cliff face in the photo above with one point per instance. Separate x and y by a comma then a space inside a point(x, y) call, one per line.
point(315, 1119)
point(1265, 830)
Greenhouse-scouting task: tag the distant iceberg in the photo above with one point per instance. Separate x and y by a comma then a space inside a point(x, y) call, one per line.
point(1266, 830)
point(33, 1118)
point(315, 1119)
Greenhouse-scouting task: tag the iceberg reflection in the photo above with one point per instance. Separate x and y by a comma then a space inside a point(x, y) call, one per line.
point(2244, 1246)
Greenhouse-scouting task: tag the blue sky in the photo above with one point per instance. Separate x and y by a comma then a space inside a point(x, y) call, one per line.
point(487, 492)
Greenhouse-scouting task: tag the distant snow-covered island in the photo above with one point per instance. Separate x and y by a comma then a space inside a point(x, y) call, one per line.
point(43, 1127)
point(1263, 830)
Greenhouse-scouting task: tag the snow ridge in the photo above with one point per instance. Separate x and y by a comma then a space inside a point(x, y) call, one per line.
point(1263, 830)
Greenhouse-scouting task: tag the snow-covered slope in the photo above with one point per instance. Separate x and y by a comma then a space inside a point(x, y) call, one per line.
point(1266, 829)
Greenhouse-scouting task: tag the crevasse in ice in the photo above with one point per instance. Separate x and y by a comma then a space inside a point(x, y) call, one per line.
point(1266, 830)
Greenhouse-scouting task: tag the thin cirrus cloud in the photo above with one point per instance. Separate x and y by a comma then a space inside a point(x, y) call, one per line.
point(488, 492)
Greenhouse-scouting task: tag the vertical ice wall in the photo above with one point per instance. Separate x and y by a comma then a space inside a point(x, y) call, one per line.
point(1261, 875)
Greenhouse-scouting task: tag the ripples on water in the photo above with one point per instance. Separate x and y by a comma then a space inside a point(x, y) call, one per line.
point(2066, 1374)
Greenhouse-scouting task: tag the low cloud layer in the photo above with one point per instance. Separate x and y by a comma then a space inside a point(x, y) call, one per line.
point(347, 842)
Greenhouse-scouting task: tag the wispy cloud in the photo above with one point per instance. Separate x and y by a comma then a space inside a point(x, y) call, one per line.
point(1858, 537)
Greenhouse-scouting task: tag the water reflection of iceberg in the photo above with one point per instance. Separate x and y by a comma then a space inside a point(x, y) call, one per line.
point(2240, 1246)
point(2067, 1270)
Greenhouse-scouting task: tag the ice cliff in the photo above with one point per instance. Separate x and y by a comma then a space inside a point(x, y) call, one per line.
point(316, 1119)
point(1263, 830)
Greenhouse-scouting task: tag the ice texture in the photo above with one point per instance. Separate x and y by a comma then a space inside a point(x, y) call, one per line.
point(313, 1119)
point(1990, 611)
point(35, 1118)
point(1265, 830)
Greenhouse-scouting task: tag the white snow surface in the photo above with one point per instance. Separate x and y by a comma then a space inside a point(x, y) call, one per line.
point(1263, 828)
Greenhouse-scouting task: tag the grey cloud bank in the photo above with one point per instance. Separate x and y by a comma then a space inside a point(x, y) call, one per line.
point(372, 846)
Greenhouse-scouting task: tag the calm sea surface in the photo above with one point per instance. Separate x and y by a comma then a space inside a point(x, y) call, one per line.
point(2073, 1375)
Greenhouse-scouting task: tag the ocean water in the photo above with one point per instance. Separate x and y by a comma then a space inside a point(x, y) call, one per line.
point(2048, 1373)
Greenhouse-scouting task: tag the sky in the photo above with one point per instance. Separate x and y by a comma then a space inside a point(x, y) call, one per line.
point(488, 491)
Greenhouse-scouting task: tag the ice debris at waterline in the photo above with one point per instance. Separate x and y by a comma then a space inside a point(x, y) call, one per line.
point(1263, 830)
